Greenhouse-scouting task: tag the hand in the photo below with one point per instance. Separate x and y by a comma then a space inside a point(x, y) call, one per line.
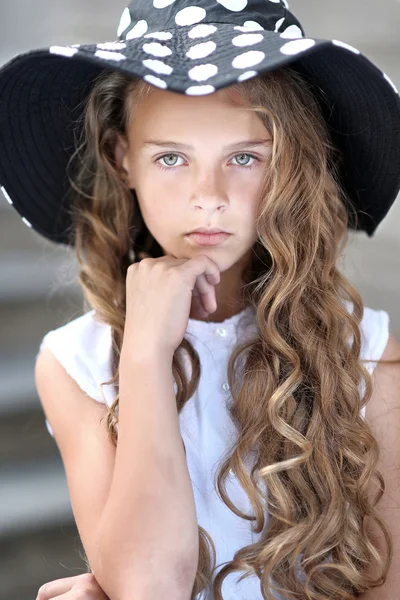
point(161, 294)
point(83, 586)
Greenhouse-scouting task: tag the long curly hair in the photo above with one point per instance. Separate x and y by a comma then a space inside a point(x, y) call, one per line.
point(297, 401)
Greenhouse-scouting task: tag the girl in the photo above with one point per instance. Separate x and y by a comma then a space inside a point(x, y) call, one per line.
point(221, 430)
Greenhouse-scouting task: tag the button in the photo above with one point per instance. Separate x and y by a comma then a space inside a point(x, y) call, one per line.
point(220, 331)
point(225, 386)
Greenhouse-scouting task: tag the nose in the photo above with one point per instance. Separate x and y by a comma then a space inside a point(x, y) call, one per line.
point(210, 190)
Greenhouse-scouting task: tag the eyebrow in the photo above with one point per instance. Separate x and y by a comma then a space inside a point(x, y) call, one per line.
point(179, 146)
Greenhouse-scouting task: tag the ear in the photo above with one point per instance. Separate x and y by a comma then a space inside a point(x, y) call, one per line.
point(121, 159)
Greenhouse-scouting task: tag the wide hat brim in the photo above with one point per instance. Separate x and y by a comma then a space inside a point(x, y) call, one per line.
point(42, 95)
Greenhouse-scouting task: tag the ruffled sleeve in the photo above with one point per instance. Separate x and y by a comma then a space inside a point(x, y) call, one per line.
point(83, 348)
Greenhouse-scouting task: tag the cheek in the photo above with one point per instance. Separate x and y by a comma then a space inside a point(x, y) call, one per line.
point(247, 195)
point(158, 209)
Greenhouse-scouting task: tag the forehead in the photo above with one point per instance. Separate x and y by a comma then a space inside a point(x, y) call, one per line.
point(170, 110)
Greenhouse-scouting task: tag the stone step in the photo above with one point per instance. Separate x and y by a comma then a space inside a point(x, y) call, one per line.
point(27, 276)
point(24, 436)
point(15, 235)
point(23, 325)
point(23, 432)
point(34, 558)
point(34, 495)
point(17, 392)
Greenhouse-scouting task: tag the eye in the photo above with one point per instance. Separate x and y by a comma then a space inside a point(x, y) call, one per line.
point(168, 157)
point(246, 165)
point(171, 155)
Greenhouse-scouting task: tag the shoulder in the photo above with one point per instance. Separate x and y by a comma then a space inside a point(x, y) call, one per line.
point(84, 329)
point(83, 347)
point(85, 339)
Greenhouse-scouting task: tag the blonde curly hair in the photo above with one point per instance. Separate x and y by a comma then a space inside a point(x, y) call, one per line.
point(297, 402)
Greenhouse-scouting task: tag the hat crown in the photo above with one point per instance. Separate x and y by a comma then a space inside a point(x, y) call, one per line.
point(146, 16)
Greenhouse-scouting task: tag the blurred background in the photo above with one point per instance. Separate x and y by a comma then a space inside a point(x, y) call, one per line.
point(39, 541)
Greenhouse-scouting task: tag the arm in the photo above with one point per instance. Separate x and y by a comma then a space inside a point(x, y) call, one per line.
point(135, 520)
point(383, 416)
point(148, 533)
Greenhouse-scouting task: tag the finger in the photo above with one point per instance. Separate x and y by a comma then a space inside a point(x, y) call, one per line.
point(203, 273)
point(73, 594)
point(197, 309)
point(202, 265)
point(206, 293)
point(55, 588)
point(67, 596)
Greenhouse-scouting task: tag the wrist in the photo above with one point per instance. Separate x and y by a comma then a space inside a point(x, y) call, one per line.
point(144, 354)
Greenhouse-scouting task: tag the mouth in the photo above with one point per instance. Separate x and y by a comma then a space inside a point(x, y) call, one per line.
point(207, 230)
point(208, 239)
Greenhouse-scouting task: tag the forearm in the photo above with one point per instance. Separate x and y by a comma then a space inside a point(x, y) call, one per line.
point(148, 535)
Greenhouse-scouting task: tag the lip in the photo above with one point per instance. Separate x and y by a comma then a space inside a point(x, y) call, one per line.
point(207, 230)
point(207, 239)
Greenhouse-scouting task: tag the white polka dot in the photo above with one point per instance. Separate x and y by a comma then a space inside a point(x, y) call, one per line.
point(159, 35)
point(111, 46)
point(276, 1)
point(203, 72)
point(106, 55)
point(156, 49)
point(158, 66)
point(278, 24)
point(249, 26)
point(63, 50)
point(285, 4)
point(162, 3)
point(26, 222)
point(293, 31)
point(247, 75)
point(201, 50)
point(75, 45)
point(344, 45)
point(124, 22)
point(138, 30)
point(7, 197)
point(248, 59)
point(391, 82)
point(155, 81)
point(190, 15)
point(297, 46)
point(200, 90)
point(201, 30)
point(247, 39)
point(234, 5)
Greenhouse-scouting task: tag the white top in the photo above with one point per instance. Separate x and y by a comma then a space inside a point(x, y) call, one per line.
point(83, 347)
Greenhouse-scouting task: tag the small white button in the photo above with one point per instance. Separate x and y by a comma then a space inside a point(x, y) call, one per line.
point(221, 331)
point(225, 386)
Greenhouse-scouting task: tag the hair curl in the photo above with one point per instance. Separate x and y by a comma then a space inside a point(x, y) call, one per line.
point(297, 401)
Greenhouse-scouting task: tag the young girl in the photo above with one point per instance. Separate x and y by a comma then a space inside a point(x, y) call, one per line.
point(221, 430)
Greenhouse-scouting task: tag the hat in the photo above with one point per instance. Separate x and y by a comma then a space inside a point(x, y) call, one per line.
point(194, 48)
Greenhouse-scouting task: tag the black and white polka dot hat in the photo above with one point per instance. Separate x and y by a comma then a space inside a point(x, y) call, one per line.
point(193, 48)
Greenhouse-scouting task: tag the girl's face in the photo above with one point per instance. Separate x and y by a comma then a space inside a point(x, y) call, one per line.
point(197, 161)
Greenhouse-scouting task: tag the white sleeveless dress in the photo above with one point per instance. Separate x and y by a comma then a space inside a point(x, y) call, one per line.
point(83, 347)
